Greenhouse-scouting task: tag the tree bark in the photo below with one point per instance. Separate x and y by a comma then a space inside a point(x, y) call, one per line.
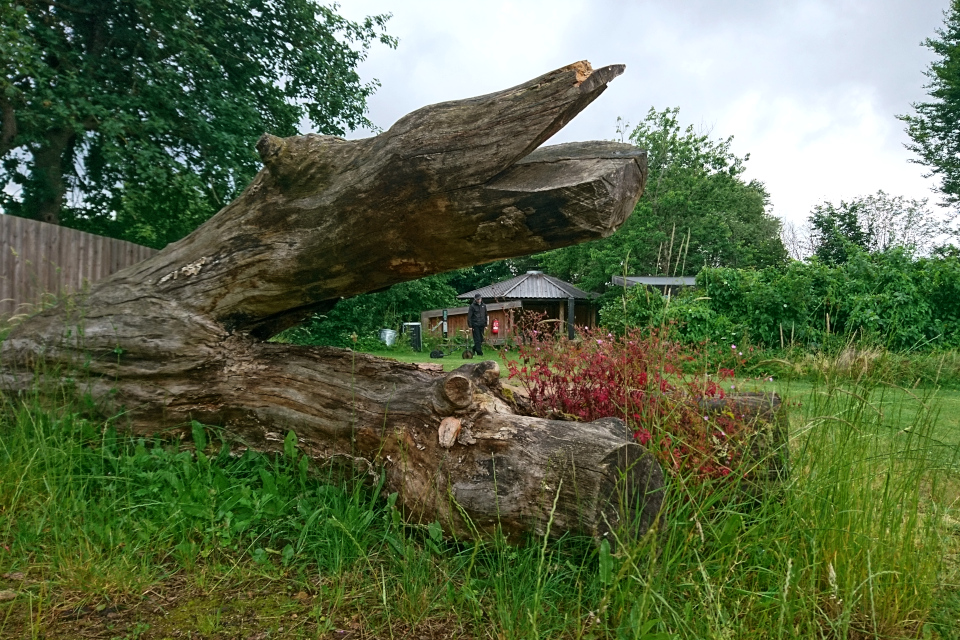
point(180, 336)
point(8, 126)
point(48, 184)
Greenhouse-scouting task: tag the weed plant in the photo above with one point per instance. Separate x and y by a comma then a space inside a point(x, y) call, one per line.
point(853, 545)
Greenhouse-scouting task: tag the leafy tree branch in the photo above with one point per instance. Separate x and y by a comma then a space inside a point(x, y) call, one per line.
point(138, 120)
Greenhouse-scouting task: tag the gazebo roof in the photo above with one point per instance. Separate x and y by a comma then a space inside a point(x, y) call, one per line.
point(532, 285)
point(655, 281)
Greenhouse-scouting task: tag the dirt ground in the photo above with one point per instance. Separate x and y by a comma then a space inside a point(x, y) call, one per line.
point(174, 609)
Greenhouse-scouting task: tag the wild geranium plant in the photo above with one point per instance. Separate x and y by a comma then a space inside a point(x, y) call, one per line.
point(659, 387)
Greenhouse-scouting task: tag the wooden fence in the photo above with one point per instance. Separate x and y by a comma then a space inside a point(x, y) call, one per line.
point(40, 260)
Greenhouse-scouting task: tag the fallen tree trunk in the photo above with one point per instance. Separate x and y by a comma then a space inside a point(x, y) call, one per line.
point(180, 336)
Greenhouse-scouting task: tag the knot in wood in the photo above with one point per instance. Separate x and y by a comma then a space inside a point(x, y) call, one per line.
point(458, 390)
point(491, 373)
point(269, 146)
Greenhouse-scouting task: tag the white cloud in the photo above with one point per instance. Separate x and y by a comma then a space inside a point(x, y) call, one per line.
point(837, 147)
point(810, 88)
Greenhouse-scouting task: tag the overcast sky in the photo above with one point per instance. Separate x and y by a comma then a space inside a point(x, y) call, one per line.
point(809, 88)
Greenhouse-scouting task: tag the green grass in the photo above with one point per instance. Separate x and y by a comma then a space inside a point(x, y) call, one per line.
point(167, 538)
point(895, 407)
point(449, 362)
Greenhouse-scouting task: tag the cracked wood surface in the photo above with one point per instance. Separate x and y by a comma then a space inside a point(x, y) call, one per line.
point(180, 336)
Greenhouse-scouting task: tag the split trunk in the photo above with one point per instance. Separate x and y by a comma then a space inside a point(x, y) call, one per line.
point(182, 336)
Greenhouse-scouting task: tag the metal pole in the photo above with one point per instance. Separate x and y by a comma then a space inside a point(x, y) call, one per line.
point(444, 324)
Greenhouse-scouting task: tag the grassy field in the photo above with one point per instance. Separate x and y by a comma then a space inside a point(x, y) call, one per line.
point(106, 537)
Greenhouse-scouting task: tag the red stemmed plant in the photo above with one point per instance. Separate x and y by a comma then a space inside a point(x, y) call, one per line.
point(655, 385)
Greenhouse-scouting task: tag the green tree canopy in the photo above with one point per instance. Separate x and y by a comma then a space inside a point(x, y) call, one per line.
point(935, 127)
point(697, 210)
point(875, 224)
point(138, 119)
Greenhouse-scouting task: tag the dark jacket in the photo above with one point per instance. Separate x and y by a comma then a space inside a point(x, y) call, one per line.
point(477, 315)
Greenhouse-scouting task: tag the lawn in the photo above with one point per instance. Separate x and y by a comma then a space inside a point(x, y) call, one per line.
point(449, 362)
point(112, 538)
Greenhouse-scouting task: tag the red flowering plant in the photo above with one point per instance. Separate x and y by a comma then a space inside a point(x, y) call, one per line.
point(657, 386)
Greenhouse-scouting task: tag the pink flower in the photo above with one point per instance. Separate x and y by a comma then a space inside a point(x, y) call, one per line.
point(733, 346)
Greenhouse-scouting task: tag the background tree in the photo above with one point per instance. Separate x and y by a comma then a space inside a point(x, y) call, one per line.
point(481, 275)
point(796, 239)
point(138, 120)
point(697, 210)
point(935, 127)
point(360, 317)
point(874, 224)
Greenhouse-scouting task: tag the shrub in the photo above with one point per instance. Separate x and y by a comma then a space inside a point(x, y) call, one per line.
point(647, 381)
point(359, 319)
point(890, 300)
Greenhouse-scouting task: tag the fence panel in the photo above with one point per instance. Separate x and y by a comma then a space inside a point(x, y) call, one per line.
point(39, 259)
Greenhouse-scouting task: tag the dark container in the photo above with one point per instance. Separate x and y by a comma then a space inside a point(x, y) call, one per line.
point(415, 329)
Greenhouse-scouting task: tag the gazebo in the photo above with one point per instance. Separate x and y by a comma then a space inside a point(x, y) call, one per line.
point(665, 284)
point(531, 291)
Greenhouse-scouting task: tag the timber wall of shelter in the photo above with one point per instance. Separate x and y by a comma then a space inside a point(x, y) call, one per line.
point(40, 262)
point(503, 312)
point(507, 313)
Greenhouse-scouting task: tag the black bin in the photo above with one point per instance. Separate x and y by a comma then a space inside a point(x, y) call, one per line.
point(415, 330)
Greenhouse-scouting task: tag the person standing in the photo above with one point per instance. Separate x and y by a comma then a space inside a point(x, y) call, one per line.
point(477, 320)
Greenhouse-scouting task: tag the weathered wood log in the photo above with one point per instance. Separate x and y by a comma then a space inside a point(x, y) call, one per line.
point(180, 336)
point(766, 456)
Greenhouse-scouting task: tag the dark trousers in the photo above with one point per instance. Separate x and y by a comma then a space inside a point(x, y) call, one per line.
point(478, 340)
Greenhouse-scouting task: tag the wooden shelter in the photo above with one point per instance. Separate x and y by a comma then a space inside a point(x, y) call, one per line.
point(503, 312)
point(667, 285)
point(532, 291)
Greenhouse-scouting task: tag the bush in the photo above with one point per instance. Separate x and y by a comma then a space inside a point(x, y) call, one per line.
point(807, 319)
point(644, 379)
point(889, 299)
point(355, 322)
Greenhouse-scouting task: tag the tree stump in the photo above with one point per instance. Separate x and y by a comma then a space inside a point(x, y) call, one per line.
point(766, 456)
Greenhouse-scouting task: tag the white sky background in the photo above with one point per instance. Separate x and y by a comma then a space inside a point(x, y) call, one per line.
point(809, 88)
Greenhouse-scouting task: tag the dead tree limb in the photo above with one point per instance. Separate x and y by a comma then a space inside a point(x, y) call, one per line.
point(180, 336)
